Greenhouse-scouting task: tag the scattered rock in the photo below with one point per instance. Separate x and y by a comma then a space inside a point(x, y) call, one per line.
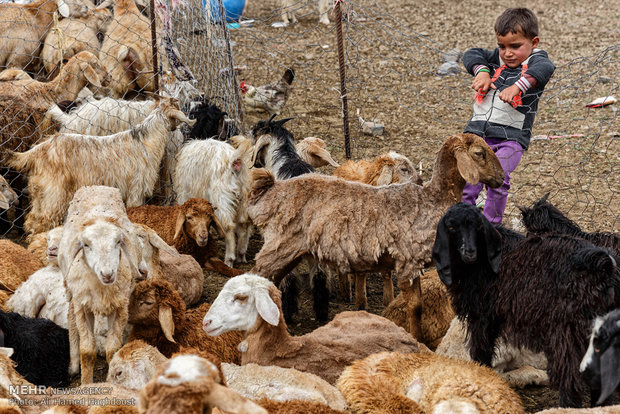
point(448, 68)
point(453, 55)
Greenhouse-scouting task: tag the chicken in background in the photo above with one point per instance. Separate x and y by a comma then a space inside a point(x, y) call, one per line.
point(271, 97)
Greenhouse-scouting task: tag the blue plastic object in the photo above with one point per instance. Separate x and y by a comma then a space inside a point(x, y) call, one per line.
point(233, 9)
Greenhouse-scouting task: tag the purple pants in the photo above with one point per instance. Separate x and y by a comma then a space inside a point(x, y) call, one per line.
point(509, 154)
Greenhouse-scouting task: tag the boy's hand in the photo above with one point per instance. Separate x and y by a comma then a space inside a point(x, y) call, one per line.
point(510, 92)
point(482, 83)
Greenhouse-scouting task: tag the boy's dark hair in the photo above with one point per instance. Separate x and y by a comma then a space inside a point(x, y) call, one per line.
point(515, 20)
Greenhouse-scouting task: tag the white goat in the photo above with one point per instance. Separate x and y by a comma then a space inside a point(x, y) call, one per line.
point(99, 256)
point(217, 172)
point(288, 14)
point(128, 160)
point(7, 195)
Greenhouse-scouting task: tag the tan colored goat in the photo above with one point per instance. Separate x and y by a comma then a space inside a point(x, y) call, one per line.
point(357, 228)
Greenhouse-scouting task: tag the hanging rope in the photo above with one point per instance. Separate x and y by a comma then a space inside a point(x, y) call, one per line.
point(61, 39)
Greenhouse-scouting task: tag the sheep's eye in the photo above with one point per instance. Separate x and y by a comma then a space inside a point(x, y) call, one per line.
point(480, 154)
point(241, 298)
point(118, 374)
point(146, 303)
point(405, 169)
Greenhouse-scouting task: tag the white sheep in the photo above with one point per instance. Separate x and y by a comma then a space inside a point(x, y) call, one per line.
point(128, 160)
point(134, 364)
point(217, 172)
point(520, 367)
point(99, 257)
point(252, 304)
point(288, 13)
point(44, 294)
point(74, 35)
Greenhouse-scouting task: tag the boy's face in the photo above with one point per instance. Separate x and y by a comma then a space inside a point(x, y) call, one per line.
point(514, 48)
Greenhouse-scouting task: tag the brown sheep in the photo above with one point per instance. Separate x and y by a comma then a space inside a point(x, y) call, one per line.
point(393, 382)
point(296, 407)
point(186, 228)
point(357, 228)
point(159, 318)
point(17, 265)
point(437, 312)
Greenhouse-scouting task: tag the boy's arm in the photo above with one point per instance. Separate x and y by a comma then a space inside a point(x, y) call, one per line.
point(538, 73)
point(477, 58)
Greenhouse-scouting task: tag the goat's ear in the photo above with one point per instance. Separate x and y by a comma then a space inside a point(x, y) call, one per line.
point(178, 227)
point(129, 59)
point(63, 8)
point(610, 373)
point(262, 142)
point(323, 154)
point(385, 178)
point(6, 351)
point(466, 166)
point(493, 245)
point(266, 307)
point(441, 253)
point(91, 75)
point(217, 224)
point(166, 322)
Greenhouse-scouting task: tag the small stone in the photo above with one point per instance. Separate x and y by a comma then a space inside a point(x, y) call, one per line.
point(452, 55)
point(448, 68)
point(604, 79)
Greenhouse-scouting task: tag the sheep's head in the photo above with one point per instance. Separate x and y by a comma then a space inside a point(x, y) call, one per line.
point(544, 217)
point(102, 242)
point(314, 151)
point(240, 303)
point(463, 233)
point(53, 241)
point(155, 302)
point(134, 364)
point(88, 66)
point(396, 169)
point(601, 362)
point(7, 195)
point(195, 218)
point(151, 245)
point(476, 161)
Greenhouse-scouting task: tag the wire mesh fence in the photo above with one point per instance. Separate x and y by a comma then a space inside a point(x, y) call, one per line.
point(393, 52)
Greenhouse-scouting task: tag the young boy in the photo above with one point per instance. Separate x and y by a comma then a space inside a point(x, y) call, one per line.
point(508, 83)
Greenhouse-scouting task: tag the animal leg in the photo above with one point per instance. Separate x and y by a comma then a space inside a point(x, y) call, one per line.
point(361, 301)
point(88, 349)
point(244, 231)
point(324, 11)
point(229, 240)
point(274, 261)
point(412, 292)
point(215, 264)
point(74, 343)
point(388, 287)
point(116, 325)
point(344, 287)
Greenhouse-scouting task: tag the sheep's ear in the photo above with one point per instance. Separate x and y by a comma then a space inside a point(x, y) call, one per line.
point(217, 224)
point(610, 373)
point(441, 253)
point(266, 307)
point(493, 245)
point(91, 75)
point(323, 154)
point(131, 258)
point(466, 166)
point(75, 248)
point(385, 178)
point(7, 351)
point(178, 228)
point(159, 243)
point(63, 8)
point(166, 322)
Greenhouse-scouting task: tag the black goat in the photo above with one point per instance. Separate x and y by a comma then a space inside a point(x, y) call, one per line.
point(274, 149)
point(540, 292)
point(210, 123)
point(40, 348)
point(544, 217)
point(601, 363)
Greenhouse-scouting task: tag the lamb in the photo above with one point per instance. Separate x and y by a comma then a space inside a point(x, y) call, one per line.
point(17, 264)
point(518, 366)
point(182, 271)
point(65, 162)
point(217, 172)
point(44, 294)
point(99, 256)
point(281, 384)
point(189, 384)
point(295, 406)
point(313, 150)
point(323, 217)
point(134, 364)
point(601, 363)
point(436, 312)
point(252, 304)
point(77, 35)
point(288, 14)
point(544, 217)
point(23, 29)
point(186, 228)
point(385, 169)
point(41, 348)
point(500, 291)
point(158, 317)
point(391, 382)
point(81, 70)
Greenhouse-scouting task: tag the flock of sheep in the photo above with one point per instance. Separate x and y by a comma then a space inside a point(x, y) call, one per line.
point(105, 274)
